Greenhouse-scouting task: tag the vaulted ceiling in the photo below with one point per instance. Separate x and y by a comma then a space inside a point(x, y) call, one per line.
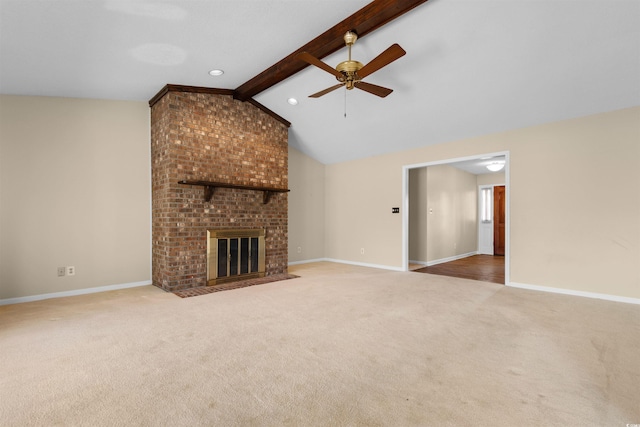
point(472, 67)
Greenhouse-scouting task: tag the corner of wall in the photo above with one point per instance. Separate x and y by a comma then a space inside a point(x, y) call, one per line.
point(306, 207)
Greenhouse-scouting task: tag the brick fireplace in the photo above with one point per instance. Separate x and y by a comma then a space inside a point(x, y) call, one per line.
point(206, 136)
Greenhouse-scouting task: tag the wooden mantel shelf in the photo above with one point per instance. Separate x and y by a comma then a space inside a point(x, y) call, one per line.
point(209, 188)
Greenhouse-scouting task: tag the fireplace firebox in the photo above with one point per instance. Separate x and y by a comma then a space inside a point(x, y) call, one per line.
point(235, 255)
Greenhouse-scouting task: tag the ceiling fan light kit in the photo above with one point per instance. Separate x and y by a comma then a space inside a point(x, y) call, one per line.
point(350, 72)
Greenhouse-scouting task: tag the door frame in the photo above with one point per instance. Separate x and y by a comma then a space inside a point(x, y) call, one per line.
point(405, 205)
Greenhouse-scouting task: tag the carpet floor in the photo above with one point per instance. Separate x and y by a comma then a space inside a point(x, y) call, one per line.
point(338, 346)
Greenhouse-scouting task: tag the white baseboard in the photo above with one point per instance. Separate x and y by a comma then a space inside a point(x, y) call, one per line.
point(449, 259)
point(413, 261)
point(85, 291)
point(594, 295)
point(340, 261)
point(366, 264)
point(307, 261)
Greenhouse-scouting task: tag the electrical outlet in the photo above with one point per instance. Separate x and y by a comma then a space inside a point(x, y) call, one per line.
point(71, 271)
point(361, 251)
point(61, 271)
point(299, 249)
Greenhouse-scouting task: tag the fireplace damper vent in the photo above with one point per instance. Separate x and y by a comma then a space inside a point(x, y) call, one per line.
point(234, 255)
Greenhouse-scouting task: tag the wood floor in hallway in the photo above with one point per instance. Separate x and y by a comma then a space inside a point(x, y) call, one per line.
point(486, 268)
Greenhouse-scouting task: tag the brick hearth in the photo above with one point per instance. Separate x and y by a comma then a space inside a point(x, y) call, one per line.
point(200, 134)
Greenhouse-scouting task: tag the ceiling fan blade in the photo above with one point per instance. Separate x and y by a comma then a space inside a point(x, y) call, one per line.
point(392, 53)
point(326, 91)
point(374, 89)
point(307, 57)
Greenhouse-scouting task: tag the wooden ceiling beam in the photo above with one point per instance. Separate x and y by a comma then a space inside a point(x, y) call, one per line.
point(369, 18)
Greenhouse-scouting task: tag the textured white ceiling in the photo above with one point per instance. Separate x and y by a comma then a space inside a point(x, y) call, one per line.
point(130, 49)
point(472, 67)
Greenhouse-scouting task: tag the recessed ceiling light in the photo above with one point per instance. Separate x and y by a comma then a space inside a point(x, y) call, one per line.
point(216, 72)
point(292, 101)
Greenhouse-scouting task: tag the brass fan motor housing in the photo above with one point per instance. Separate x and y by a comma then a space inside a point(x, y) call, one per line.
point(349, 69)
point(349, 66)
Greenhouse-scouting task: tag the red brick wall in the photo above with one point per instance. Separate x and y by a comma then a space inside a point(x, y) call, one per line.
point(211, 137)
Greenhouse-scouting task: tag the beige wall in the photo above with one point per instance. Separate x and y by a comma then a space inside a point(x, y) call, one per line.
point(75, 191)
point(359, 198)
point(442, 213)
point(496, 178)
point(306, 207)
point(574, 201)
point(418, 215)
point(452, 212)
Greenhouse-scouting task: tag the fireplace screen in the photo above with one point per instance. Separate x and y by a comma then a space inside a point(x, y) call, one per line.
point(234, 255)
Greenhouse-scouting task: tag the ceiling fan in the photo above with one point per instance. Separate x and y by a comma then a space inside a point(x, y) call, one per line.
point(350, 73)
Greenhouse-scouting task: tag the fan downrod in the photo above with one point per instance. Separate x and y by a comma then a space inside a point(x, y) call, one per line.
point(350, 67)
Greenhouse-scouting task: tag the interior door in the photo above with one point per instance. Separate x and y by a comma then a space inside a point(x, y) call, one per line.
point(499, 219)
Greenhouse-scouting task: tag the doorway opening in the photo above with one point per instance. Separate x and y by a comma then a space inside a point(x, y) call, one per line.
point(416, 204)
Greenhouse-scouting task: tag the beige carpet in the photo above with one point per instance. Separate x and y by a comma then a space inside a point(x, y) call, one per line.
point(339, 346)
